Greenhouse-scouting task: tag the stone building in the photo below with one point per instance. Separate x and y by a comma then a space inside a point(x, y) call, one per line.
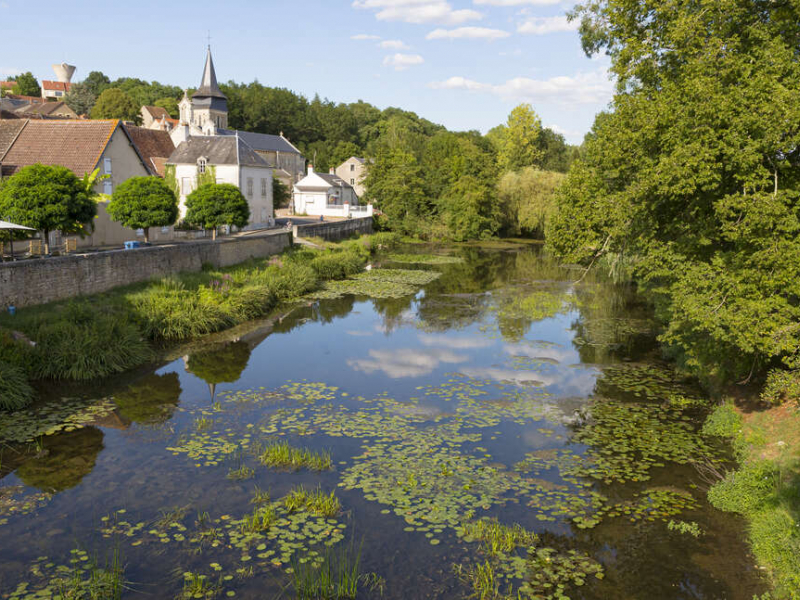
point(354, 170)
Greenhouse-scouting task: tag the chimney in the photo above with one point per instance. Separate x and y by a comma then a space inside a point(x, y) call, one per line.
point(310, 169)
point(332, 171)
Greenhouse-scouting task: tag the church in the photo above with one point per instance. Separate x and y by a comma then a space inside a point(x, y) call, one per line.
point(206, 114)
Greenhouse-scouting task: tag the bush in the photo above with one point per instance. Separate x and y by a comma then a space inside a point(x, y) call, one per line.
point(337, 265)
point(85, 343)
point(383, 240)
point(15, 392)
point(781, 386)
point(17, 354)
point(287, 282)
point(744, 490)
point(723, 421)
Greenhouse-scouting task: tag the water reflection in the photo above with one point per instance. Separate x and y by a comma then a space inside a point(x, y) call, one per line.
point(63, 461)
point(406, 362)
point(152, 400)
point(224, 364)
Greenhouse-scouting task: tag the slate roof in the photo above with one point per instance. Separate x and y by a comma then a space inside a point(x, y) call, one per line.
point(263, 142)
point(77, 145)
point(330, 179)
point(152, 144)
point(217, 150)
point(334, 180)
point(47, 109)
point(208, 85)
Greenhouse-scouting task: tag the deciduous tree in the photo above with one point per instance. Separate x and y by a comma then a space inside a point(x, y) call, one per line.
point(142, 203)
point(113, 103)
point(215, 204)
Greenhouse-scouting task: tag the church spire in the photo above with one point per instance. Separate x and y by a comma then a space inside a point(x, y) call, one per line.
point(208, 85)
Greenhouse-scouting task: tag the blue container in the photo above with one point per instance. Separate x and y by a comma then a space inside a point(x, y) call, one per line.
point(132, 245)
point(12, 310)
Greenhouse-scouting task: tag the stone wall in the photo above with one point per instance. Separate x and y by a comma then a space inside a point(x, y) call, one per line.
point(30, 282)
point(334, 230)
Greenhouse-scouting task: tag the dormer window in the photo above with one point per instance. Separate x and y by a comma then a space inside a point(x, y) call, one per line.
point(201, 165)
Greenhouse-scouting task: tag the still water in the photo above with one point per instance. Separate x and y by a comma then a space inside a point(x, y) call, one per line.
point(501, 390)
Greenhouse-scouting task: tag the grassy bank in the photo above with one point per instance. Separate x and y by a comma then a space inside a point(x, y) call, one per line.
point(765, 487)
point(105, 334)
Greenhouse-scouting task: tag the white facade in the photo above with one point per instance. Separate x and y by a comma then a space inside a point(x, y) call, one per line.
point(323, 196)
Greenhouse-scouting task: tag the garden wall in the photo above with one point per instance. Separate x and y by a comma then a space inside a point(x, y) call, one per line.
point(30, 282)
point(334, 230)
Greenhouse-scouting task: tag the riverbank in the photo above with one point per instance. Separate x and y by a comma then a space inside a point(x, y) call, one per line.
point(105, 334)
point(765, 488)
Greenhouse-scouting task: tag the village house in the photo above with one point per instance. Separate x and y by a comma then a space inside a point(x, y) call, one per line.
point(354, 170)
point(81, 146)
point(223, 159)
point(156, 117)
point(206, 114)
point(326, 194)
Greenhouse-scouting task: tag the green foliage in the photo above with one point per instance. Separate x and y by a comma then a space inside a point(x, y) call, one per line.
point(337, 265)
point(690, 528)
point(215, 204)
point(527, 200)
point(80, 98)
point(142, 203)
point(781, 386)
point(496, 537)
point(220, 365)
point(86, 342)
point(469, 211)
point(394, 182)
point(724, 421)
point(280, 455)
point(519, 142)
point(96, 82)
point(113, 103)
point(744, 490)
point(208, 176)
point(26, 85)
point(15, 391)
point(315, 502)
point(170, 104)
point(281, 194)
point(47, 198)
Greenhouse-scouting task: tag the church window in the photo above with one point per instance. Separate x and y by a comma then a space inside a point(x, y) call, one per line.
point(201, 165)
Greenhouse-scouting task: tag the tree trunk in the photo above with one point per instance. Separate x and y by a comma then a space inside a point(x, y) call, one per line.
point(146, 235)
point(214, 233)
point(46, 241)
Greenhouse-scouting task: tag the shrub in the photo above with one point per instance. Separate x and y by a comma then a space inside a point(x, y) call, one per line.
point(337, 265)
point(781, 386)
point(85, 343)
point(15, 392)
point(383, 240)
point(15, 353)
point(168, 312)
point(746, 489)
point(723, 421)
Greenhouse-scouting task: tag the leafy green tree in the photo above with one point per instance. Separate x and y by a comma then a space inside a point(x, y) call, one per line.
point(170, 105)
point(113, 103)
point(527, 199)
point(48, 198)
point(142, 203)
point(80, 98)
point(26, 85)
point(215, 204)
point(557, 155)
point(281, 194)
point(394, 182)
point(520, 144)
point(468, 211)
point(343, 151)
point(96, 82)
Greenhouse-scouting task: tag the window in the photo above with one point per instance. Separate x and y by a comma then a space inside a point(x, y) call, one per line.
point(201, 165)
point(186, 185)
point(108, 187)
point(352, 182)
point(107, 166)
point(59, 93)
point(352, 168)
point(263, 188)
point(249, 187)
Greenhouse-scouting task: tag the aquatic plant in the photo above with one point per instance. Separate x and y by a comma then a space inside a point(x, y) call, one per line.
point(15, 391)
point(260, 497)
point(315, 502)
point(690, 528)
point(481, 578)
point(496, 537)
point(336, 576)
point(425, 259)
point(196, 585)
point(337, 264)
point(281, 455)
point(259, 520)
point(551, 573)
point(241, 473)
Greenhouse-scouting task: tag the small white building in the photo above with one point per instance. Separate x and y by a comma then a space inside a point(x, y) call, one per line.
point(223, 159)
point(327, 194)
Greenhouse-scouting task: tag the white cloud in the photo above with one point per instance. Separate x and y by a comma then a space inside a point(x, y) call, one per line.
point(408, 362)
point(393, 45)
point(401, 62)
point(418, 11)
point(545, 25)
point(567, 133)
point(583, 88)
point(517, 2)
point(472, 33)
point(364, 36)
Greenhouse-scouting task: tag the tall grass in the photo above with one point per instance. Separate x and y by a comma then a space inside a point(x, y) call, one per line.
point(15, 391)
point(281, 455)
point(338, 577)
point(314, 502)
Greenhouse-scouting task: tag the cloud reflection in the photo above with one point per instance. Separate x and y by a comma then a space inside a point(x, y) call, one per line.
point(406, 362)
point(455, 343)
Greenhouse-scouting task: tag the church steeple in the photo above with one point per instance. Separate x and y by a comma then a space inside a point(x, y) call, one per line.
point(208, 85)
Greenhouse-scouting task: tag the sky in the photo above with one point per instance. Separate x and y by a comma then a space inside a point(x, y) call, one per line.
point(462, 63)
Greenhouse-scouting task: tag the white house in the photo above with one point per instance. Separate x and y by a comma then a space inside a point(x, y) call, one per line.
point(223, 159)
point(327, 194)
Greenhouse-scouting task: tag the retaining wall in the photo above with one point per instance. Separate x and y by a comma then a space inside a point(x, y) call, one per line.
point(334, 230)
point(30, 282)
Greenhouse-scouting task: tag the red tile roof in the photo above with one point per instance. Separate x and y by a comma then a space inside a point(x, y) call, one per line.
point(7, 84)
point(55, 86)
point(151, 144)
point(77, 145)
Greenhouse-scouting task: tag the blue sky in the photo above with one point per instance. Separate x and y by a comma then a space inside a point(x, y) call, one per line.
point(462, 63)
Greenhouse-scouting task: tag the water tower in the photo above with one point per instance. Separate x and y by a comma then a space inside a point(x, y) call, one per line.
point(64, 72)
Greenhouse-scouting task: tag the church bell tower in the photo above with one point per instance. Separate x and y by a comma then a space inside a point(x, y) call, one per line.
point(209, 106)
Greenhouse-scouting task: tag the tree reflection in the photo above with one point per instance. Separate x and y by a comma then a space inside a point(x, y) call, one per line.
point(152, 400)
point(64, 460)
point(223, 364)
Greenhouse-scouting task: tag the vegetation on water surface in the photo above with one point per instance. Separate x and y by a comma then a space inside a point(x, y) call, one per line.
point(281, 455)
point(337, 577)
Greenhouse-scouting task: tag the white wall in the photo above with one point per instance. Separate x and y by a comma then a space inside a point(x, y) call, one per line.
point(260, 204)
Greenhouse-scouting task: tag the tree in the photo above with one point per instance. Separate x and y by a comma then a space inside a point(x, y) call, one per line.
point(395, 183)
point(47, 198)
point(215, 204)
point(281, 194)
point(142, 203)
point(520, 140)
point(170, 105)
point(468, 210)
point(26, 85)
point(80, 98)
point(527, 199)
point(96, 82)
point(113, 103)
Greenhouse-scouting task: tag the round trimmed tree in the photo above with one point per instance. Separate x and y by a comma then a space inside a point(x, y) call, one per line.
point(215, 204)
point(142, 203)
point(47, 198)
